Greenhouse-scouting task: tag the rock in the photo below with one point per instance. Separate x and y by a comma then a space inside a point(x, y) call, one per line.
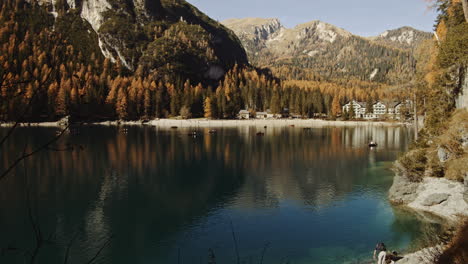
point(64, 121)
point(443, 154)
point(435, 198)
point(423, 256)
point(402, 191)
point(464, 139)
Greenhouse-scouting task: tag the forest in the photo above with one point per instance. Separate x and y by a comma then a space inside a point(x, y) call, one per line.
point(45, 75)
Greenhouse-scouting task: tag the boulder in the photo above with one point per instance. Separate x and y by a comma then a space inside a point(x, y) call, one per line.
point(435, 198)
point(443, 154)
point(403, 191)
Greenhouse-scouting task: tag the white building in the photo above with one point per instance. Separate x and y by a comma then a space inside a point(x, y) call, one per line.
point(380, 110)
point(244, 114)
point(358, 107)
point(270, 114)
point(261, 115)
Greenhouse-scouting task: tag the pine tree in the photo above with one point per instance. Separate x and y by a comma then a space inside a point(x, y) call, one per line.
point(369, 105)
point(147, 103)
point(351, 112)
point(275, 104)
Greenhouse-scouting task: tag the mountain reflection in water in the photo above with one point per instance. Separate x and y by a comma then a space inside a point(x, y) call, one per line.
point(314, 196)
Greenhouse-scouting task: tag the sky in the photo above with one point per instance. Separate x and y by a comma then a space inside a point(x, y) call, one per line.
point(360, 17)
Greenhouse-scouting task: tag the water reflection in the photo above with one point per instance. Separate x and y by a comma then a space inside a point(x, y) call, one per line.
point(159, 192)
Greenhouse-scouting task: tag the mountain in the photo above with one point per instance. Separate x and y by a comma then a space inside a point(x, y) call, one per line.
point(404, 37)
point(331, 52)
point(169, 35)
point(104, 60)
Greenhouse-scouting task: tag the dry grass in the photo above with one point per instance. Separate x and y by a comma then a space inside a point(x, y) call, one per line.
point(457, 250)
point(457, 169)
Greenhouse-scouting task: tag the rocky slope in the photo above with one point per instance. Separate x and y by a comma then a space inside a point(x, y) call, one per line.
point(434, 176)
point(329, 50)
point(438, 196)
point(404, 37)
point(163, 34)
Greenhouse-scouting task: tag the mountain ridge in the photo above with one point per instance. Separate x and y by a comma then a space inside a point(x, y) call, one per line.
point(328, 50)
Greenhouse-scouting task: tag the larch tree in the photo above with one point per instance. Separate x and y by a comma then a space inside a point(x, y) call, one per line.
point(207, 107)
point(336, 107)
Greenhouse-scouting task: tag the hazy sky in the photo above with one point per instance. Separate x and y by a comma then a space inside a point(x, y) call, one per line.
point(361, 17)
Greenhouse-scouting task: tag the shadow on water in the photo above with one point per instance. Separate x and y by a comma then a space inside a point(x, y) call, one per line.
point(314, 196)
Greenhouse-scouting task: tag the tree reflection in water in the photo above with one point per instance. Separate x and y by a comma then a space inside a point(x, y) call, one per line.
point(159, 191)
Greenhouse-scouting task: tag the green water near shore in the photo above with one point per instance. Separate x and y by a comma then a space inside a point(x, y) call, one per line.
point(299, 196)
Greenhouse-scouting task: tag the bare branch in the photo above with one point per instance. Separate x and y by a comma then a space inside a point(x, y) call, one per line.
point(25, 156)
point(99, 251)
point(28, 106)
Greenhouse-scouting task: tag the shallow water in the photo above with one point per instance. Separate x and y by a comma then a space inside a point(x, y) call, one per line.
point(290, 196)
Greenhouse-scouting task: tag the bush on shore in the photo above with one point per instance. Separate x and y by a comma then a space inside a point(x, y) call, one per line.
point(445, 155)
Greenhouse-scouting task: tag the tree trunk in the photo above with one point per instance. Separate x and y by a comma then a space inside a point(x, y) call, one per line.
point(465, 9)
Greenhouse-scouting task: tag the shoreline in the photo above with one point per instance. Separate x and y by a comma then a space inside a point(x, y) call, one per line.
point(194, 123)
point(432, 197)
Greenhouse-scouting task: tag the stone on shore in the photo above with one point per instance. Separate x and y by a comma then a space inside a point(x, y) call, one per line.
point(423, 256)
point(436, 198)
point(403, 191)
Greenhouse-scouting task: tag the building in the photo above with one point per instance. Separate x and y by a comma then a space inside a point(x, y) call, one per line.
point(270, 114)
point(261, 115)
point(244, 114)
point(393, 108)
point(404, 109)
point(359, 108)
point(380, 109)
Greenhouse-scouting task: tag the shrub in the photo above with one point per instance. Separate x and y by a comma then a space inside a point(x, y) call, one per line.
point(457, 168)
point(414, 162)
point(434, 166)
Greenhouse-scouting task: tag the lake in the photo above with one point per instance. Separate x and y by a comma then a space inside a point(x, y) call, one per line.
point(293, 195)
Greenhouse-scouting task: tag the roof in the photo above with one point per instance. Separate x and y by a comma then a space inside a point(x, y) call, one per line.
point(391, 104)
point(362, 104)
point(244, 112)
point(261, 113)
point(394, 104)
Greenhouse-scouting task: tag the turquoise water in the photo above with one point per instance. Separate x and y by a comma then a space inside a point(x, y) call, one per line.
point(291, 196)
